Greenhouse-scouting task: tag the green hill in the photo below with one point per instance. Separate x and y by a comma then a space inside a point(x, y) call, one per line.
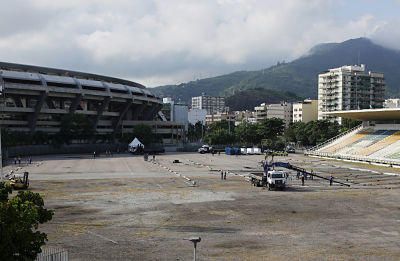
point(248, 99)
point(300, 75)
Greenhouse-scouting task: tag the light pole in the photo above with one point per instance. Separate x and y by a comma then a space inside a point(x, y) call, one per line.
point(1, 111)
point(195, 240)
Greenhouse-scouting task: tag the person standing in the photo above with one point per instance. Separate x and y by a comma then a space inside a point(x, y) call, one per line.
point(330, 180)
point(154, 156)
point(94, 154)
point(225, 175)
point(222, 175)
point(302, 180)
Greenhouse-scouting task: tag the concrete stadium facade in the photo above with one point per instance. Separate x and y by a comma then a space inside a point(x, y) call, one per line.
point(35, 98)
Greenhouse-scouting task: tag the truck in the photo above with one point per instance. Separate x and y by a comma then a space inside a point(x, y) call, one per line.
point(272, 179)
point(205, 149)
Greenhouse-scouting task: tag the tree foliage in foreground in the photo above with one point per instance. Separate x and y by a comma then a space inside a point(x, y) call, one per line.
point(20, 217)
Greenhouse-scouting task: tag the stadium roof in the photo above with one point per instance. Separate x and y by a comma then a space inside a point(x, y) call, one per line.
point(368, 114)
point(70, 73)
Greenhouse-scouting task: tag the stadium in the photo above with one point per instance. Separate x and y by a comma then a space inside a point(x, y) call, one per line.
point(35, 99)
point(376, 140)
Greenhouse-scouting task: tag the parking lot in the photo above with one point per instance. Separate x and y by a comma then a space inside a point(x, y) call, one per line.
point(124, 208)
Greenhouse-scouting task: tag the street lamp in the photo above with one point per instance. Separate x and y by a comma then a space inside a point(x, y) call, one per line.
point(1, 151)
point(195, 240)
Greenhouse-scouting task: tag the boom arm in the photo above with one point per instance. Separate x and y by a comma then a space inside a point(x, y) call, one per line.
point(287, 165)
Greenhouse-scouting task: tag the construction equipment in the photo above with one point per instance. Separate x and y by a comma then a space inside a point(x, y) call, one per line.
point(262, 180)
point(19, 181)
point(272, 179)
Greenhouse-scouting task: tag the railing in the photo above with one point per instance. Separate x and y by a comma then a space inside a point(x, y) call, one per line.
point(352, 158)
point(52, 254)
point(357, 128)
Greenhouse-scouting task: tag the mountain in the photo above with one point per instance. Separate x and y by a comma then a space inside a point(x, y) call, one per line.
point(300, 75)
point(254, 97)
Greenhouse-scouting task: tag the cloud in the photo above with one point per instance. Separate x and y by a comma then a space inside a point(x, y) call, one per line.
point(170, 41)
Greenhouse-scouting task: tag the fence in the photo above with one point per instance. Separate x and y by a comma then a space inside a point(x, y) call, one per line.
point(53, 254)
point(33, 150)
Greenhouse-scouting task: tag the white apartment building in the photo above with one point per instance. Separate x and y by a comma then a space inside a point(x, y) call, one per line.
point(392, 103)
point(305, 111)
point(210, 103)
point(349, 88)
point(281, 110)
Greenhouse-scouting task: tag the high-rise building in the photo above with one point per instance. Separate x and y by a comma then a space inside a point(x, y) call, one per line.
point(349, 88)
point(305, 111)
point(212, 104)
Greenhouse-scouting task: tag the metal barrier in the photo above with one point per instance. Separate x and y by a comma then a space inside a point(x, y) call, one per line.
point(52, 254)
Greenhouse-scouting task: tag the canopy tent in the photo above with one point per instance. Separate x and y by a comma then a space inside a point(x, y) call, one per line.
point(135, 145)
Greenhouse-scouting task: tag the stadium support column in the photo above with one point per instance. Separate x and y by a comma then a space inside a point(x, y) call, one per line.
point(75, 103)
point(39, 105)
point(138, 111)
point(122, 114)
point(100, 111)
point(150, 112)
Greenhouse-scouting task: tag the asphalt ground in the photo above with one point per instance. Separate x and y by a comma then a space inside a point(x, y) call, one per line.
point(123, 208)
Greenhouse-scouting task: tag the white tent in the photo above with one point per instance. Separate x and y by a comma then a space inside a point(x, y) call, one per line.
point(134, 145)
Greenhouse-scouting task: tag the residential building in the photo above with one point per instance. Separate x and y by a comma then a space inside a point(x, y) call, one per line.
point(283, 110)
point(244, 116)
point(392, 103)
point(217, 117)
point(305, 111)
point(260, 112)
point(349, 88)
point(210, 103)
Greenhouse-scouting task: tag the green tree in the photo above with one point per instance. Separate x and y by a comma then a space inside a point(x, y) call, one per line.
point(144, 133)
point(271, 128)
point(75, 127)
point(220, 137)
point(312, 133)
point(196, 131)
point(20, 217)
point(247, 134)
point(348, 124)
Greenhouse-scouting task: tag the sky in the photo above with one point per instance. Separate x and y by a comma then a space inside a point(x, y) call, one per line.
point(159, 42)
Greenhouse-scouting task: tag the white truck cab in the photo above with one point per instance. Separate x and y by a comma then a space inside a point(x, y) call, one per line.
point(276, 179)
point(205, 149)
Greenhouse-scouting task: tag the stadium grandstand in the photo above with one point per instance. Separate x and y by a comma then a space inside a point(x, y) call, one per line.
point(376, 140)
point(35, 98)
